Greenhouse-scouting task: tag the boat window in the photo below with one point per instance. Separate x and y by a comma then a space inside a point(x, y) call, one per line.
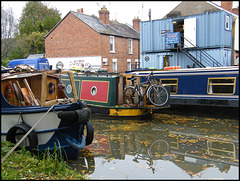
point(222, 85)
point(173, 83)
point(221, 148)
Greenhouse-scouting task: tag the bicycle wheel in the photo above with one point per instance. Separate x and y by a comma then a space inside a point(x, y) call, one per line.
point(157, 95)
point(131, 96)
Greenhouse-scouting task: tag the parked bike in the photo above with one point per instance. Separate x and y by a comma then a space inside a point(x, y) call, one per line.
point(156, 94)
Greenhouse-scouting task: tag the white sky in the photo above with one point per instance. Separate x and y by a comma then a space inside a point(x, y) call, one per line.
point(123, 11)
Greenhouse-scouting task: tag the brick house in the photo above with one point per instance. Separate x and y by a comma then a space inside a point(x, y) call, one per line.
point(80, 39)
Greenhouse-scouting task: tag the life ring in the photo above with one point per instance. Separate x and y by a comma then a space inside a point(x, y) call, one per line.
point(32, 137)
point(172, 67)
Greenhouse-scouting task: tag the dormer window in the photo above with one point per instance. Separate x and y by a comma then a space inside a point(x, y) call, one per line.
point(112, 44)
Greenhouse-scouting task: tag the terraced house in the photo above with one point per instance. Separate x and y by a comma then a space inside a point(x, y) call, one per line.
point(90, 41)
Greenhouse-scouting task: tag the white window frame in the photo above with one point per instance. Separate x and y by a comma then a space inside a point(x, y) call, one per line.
point(129, 66)
point(105, 61)
point(137, 62)
point(227, 22)
point(112, 42)
point(114, 62)
point(130, 41)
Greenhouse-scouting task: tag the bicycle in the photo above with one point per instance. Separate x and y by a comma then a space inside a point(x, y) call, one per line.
point(156, 94)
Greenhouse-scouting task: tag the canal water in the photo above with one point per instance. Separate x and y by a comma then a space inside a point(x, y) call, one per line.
point(168, 145)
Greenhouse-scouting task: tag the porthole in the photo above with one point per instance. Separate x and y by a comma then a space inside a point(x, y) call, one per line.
point(94, 90)
point(69, 89)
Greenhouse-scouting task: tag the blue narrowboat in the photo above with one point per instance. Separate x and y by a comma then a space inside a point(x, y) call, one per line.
point(36, 114)
point(215, 86)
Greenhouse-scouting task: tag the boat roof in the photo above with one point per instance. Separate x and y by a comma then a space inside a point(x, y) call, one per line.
point(136, 72)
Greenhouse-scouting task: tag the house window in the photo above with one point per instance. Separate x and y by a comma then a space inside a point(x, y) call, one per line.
point(114, 65)
point(104, 61)
point(173, 83)
point(130, 46)
point(227, 22)
point(128, 64)
point(112, 44)
point(222, 86)
point(137, 64)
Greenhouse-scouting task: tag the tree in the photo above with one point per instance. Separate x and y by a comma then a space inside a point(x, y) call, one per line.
point(35, 22)
point(8, 29)
point(37, 17)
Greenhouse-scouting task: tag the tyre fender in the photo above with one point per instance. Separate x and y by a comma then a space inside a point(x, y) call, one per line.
point(32, 137)
point(90, 132)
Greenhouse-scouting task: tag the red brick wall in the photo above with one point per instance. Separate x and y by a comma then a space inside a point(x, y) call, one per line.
point(121, 52)
point(227, 5)
point(72, 38)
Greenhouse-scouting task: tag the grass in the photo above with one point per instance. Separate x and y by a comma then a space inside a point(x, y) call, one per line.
point(22, 164)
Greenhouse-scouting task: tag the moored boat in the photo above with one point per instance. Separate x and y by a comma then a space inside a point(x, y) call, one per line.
point(37, 99)
point(211, 86)
point(103, 93)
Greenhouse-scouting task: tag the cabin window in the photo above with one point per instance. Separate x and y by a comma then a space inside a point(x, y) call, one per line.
point(227, 22)
point(112, 44)
point(128, 64)
point(223, 86)
point(173, 83)
point(130, 46)
point(114, 65)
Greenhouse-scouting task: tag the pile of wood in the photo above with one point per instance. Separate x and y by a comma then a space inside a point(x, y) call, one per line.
point(24, 95)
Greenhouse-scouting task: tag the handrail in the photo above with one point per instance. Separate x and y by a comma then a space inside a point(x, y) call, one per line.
point(208, 58)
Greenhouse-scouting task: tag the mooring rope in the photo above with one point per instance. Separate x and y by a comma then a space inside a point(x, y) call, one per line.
point(26, 134)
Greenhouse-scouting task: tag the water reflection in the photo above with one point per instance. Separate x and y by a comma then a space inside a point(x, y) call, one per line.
point(167, 146)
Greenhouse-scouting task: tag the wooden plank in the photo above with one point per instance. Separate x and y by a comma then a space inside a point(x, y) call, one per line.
point(25, 94)
point(73, 86)
point(43, 88)
point(30, 92)
point(120, 90)
point(18, 90)
point(11, 85)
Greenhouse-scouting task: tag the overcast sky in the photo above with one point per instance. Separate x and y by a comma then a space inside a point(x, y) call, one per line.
point(123, 11)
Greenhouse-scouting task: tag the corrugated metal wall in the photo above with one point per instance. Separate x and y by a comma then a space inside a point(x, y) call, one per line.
point(152, 36)
point(156, 60)
point(211, 32)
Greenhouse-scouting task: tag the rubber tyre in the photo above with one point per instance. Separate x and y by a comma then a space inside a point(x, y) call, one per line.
point(32, 137)
point(90, 133)
point(131, 96)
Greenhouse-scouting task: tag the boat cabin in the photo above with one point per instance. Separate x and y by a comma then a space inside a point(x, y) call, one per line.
point(37, 88)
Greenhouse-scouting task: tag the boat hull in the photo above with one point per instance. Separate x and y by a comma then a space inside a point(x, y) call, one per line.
point(52, 132)
point(194, 87)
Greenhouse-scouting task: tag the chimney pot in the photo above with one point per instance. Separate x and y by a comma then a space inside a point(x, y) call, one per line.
point(136, 23)
point(104, 15)
point(80, 10)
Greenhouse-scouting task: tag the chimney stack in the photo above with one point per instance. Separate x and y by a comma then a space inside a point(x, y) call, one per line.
point(136, 24)
point(104, 15)
point(227, 5)
point(80, 10)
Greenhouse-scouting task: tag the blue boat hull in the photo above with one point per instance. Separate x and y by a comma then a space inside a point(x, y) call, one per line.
point(192, 86)
point(61, 128)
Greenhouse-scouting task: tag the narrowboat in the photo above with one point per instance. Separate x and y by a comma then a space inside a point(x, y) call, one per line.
point(37, 114)
point(210, 86)
point(103, 93)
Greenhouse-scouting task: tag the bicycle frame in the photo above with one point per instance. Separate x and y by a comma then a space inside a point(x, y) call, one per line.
point(149, 84)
